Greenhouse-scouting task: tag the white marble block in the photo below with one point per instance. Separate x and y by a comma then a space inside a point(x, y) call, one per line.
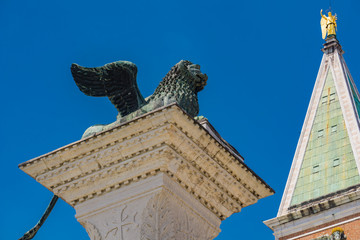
point(160, 176)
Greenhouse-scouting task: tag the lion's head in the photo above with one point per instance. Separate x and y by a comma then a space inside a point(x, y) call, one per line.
point(192, 71)
point(181, 85)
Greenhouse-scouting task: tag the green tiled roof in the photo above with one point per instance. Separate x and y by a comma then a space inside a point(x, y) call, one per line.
point(328, 165)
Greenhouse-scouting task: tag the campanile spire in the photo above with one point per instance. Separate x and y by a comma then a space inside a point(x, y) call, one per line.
point(323, 187)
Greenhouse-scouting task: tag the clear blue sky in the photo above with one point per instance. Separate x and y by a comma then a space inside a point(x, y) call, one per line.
point(261, 57)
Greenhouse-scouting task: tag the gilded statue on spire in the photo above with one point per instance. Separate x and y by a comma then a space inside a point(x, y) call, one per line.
point(328, 25)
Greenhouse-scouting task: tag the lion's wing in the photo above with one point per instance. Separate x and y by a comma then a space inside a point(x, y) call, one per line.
point(115, 80)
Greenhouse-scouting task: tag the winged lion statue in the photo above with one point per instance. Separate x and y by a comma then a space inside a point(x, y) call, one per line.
point(117, 81)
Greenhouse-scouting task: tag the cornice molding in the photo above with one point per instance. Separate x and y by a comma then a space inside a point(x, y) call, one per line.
point(164, 141)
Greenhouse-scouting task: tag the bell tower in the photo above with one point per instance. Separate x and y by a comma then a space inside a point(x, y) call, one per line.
point(322, 194)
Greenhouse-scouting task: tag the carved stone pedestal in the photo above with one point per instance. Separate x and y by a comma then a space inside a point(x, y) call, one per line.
point(160, 176)
point(152, 208)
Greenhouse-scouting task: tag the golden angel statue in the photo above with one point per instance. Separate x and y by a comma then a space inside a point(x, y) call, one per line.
point(328, 24)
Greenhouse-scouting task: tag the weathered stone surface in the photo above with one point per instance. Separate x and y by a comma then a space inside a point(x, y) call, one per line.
point(161, 174)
